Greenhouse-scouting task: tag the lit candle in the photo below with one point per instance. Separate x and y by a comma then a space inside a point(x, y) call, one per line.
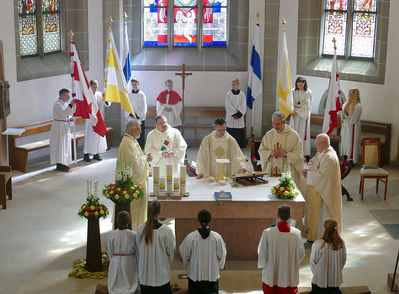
point(169, 177)
point(155, 173)
point(182, 180)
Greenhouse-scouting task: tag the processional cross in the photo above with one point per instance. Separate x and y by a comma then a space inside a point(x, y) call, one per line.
point(183, 75)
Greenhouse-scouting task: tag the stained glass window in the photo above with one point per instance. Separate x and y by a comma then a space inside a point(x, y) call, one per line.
point(155, 22)
point(27, 27)
point(185, 23)
point(335, 23)
point(363, 28)
point(214, 25)
point(51, 26)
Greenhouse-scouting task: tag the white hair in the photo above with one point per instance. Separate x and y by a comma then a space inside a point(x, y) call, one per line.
point(131, 124)
point(280, 115)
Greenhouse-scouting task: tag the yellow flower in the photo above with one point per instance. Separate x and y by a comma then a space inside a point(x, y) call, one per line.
point(286, 193)
point(96, 213)
point(80, 210)
point(118, 189)
point(281, 188)
point(124, 192)
point(106, 212)
point(116, 197)
point(101, 212)
point(86, 213)
point(92, 207)
point(127, 196)
point(135, 195)
point(131, 188)
point(112, 192)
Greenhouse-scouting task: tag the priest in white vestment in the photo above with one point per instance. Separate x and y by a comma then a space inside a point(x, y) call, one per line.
point(139, 103)
point(219, 145)
point(203, 252)
point(130, 154)
point(351, 126)
point(169, 104)
point(300, 117)
point(280, 252)
point(167, 146)
point(281, 149)
point(324, 194)
point(123, 268)
point(236, 106)
point(60, 134)
point(94, 143)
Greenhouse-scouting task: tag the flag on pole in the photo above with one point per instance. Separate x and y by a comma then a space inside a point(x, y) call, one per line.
point(116, 87)
point(254, 75)
point(333, 104)
point(86, 103)
point(127, 70)
point(284, 92)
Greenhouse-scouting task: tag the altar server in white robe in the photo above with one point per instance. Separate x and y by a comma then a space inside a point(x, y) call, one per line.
point(170, 105)
point(60, 134)
point(130, 154)
point(122, 251)
point(236, 106)
point(139, 103)
point(324, 194)
point(219, 144)
point(281, 149)
point(204, 254)
point(351, 126)
point(156, 248)
point(327, 260)
point(167, 146)
point(300, 118)
point(280, 252)
point(94, 143)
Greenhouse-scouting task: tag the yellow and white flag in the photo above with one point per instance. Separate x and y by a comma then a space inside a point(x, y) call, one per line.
point(284, 93)
point(115, 82)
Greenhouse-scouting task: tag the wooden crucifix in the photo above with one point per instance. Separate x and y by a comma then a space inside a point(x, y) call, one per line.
point(183, 75)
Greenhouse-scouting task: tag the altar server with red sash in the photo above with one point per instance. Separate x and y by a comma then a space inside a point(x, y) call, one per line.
point(280, 252)
point(169, 104)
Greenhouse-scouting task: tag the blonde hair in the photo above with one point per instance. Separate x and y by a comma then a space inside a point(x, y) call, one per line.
point(331, 236)
point(154, 209)
point(349, 107)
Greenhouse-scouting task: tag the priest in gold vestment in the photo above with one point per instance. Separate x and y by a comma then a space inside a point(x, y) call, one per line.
point(219, 145)
point(130, 154)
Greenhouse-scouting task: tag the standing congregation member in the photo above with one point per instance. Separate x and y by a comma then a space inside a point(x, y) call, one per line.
point(300, 118)
point(324, 196)
point(281, 148)
point(204, 253)
point(219, 144)
point(351, 126)
point(280, 252)
point(130, 154)
point(60, 134)
point(139, 103)
point(236, 106)
point(167, 146)
point(156, 248)
point(327, 260)
point(122, 251)
point(169, 104)
point(94, 143)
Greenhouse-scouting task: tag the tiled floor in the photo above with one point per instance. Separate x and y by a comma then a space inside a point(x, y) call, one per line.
point(41, 234)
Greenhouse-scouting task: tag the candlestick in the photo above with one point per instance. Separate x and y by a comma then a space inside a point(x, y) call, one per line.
point(182, 180)
point(155, 174)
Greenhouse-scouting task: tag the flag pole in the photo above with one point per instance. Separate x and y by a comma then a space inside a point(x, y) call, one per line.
point(75, 156)
point(253, 108)
point(110, 20)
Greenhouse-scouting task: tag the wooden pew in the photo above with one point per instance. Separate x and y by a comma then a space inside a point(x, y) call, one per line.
point(369, 129)
point(19, 153)
point(191, 112)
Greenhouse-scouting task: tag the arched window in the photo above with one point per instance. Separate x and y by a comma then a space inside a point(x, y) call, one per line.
point(194, 23)
point(352, 23)
point(39, 27)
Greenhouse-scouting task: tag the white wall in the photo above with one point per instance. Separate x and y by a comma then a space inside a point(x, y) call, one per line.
point(380, 102)
point(33, 100)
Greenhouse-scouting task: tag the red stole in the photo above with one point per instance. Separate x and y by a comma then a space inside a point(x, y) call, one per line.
point(284, 227)
point(174, 97)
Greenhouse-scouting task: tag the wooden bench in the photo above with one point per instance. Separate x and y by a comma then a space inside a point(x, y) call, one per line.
point(369, 129)
point(19, 153)
point(194, 113)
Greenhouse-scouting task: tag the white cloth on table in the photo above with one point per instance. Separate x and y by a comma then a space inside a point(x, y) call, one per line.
point(203, 257)
point(351, 133)
point(60, 134)
point(155, 258)
point(234, 103)
point(139, 104)
point(123, 270)
point(279, 255)
point(327, 264)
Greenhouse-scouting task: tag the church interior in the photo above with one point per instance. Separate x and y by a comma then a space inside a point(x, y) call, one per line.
point(41, 233)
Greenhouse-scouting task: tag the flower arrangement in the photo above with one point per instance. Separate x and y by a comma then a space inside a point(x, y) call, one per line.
point(286, 187)
point(124, 190)
point(92, 209)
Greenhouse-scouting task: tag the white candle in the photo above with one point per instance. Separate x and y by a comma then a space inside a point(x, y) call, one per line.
point(155, 174)
point(182, 180)
point(162, 184)
point(176, 184)
point(169, 177)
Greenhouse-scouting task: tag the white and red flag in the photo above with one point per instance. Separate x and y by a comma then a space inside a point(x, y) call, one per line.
point(86, 103)
point(333, 102)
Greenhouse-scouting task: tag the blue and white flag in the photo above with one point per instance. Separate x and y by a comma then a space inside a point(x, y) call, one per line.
point(254, 72)
point(125, 61)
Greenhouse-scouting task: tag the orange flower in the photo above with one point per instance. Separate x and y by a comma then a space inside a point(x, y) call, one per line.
point(125, 189)
point(91, 213)
point(287, 188)
point(130, 191)
point(279, 192)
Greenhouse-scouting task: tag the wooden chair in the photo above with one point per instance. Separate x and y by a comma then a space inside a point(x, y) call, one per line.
point(5, 185)
point(371, 165)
